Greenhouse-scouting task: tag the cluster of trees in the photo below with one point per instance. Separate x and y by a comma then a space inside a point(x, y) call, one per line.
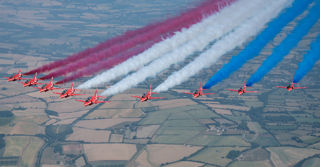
point(6, 114)
point(5, 117)
point(2, 142)
point(243, 125)
point(58, 132)
point(233, 154)
point(50, 112)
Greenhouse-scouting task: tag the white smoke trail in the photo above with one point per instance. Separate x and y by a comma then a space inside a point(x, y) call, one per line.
point(165, 46)
point(217, 29)
point(229, 42)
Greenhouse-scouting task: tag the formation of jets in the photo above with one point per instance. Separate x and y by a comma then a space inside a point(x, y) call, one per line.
point(31, 81)
point(68, 92)
point(291, 86)
point(47, 87)
point(243, 90)
point(95, 98)
point(15, 77)
point(199, 92)
point(147, 96)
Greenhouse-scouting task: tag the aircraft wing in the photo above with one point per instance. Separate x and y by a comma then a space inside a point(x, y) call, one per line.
point(232, 90)
point(103, 101)
point(156, 98)
point(137, 97)
point(281, 87)
point(188, 93)
point(81, 100)
point(300, 87)
point(208, 93)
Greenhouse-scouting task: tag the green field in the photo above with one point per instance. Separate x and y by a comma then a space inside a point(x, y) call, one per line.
point(309, 139)
point(266, 140)
point(215, 155)
point(30, 154)
point(180, 115)
point(201, 112)
point(282, 127)
point(305, 118)
point(211, 140)
point(156, 117)
point(257, 154)
point(174, 136)
point(238, 116)
point(315, 146)
point(314, 162)
point(250, 163)
point(181, 122)
point(254, 126)
point(287, 156)
point(24, 147)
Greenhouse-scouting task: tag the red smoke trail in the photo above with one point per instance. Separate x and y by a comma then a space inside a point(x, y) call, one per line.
point(167, 28)
point(106, 64)
point(95, 58)
point(89, 51)
point(207, 7)
point(86, 62)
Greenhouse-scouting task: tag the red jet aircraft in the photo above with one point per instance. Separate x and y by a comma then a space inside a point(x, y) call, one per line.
point(15, 77)
point(291, 86)
point(147, 96)
point(243, 90)
point(93, 99)
point(32, 81)
point(198, 92)
point(47, 87)
point(68, 92)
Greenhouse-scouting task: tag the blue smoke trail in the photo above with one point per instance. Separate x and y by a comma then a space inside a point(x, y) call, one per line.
point(308, 61)
point(287, 44)
point(255, 46)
